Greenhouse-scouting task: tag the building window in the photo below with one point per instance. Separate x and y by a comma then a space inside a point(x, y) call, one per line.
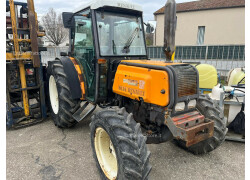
point(201, 34)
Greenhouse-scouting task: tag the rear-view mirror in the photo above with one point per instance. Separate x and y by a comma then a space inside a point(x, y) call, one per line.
point(150, 27)
point(68, 19)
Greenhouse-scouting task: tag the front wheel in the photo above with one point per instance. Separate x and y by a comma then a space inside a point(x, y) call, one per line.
point(119, 148)
point(62, 105)
point(213, 112)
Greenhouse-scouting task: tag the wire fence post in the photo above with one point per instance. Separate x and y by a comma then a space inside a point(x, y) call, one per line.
point(160, 52)
point(212, 55)
point(153, 53)
point(239, 54)
point(191, 53)
point(200, 52)
point(206, 54)
point(157, 52)
point(228, 50)
point(181, 53)
point(244, 55)
point(54, 51)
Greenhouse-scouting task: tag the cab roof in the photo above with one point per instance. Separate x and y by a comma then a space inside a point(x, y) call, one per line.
point(110, 3)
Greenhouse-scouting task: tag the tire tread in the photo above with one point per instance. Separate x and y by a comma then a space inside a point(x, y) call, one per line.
point(67, 105)
point(129, 140)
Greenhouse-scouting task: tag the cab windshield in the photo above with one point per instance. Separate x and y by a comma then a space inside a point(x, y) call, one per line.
point(120, 35)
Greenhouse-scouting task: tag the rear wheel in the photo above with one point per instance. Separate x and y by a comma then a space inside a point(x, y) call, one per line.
point(62, 106)
point(119, 148)
point(211, 111)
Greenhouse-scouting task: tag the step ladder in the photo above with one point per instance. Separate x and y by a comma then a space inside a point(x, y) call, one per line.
point(84, 111)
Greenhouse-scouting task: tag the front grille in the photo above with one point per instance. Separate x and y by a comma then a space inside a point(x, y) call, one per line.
point(186, 79)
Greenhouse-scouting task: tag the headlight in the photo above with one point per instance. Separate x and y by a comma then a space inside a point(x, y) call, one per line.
point(192, 104)
point(180, 106)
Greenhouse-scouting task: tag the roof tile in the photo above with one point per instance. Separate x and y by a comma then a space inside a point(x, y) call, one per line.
point(204, 5)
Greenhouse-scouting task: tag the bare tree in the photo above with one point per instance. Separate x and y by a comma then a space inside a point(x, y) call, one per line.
point(149, 39)
point(53, 26)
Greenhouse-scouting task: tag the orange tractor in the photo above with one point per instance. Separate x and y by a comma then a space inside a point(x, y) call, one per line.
point(108, 66)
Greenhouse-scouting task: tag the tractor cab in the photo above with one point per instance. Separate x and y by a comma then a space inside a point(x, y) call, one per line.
point(101, 34)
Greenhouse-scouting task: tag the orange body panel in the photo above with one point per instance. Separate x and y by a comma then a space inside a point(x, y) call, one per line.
point(80, 77)
point(135, 82)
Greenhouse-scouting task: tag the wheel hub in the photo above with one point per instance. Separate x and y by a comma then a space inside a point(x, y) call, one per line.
point(105, 153)
point(112, 149)
point(53, 94)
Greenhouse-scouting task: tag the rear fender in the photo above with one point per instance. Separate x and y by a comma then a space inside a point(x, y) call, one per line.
point(72, 77)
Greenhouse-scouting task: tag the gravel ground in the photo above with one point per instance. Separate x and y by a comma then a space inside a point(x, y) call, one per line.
point(45, 152)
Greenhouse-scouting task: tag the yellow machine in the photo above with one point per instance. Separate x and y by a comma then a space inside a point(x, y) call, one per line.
point(108, 66)
point(236, 76)
point(24, 74)
point(208, 77)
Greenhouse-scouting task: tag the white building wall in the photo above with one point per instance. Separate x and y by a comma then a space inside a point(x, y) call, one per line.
point(222, 27)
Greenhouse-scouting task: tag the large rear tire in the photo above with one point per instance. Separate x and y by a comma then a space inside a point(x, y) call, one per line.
point(62, 106)
point(211, 111)
point(119, 148)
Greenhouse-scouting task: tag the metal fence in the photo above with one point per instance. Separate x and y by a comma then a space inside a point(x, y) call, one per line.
point(229, 52)
point(52, 53)
point(224, 58)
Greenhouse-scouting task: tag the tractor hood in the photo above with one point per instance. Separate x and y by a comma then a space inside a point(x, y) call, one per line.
point(150, 62)
point(156, 82)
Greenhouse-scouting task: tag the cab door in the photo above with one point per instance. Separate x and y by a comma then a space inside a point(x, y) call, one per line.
point(84, 51)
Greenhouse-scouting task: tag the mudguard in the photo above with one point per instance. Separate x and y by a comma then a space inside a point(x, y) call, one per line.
point(72, 77)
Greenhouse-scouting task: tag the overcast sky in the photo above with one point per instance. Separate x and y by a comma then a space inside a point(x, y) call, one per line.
point(149, 6)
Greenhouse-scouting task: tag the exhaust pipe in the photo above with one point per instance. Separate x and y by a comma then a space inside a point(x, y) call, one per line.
point(169, 29)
